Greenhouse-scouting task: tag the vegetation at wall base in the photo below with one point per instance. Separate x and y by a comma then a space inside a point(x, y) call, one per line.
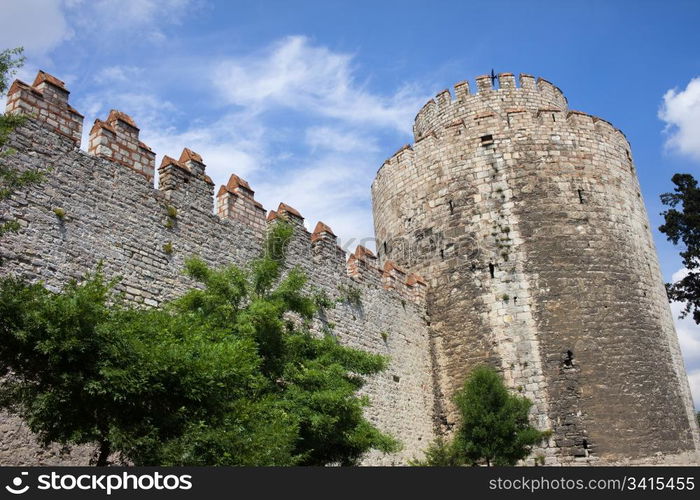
point(493, 429)
point(227, 374)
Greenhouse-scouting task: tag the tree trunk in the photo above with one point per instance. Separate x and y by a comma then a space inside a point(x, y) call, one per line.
point(104, 454)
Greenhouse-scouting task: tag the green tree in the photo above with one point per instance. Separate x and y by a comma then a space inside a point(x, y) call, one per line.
point(440, 453)
point(10, 178)
point(494, 425)
point(83, 371)
point(228, 374)
point(494, 428)
point(682, 224)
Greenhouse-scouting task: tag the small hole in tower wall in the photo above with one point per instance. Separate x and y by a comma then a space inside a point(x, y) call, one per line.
point(569, 359)
point(385, 250)
point(486, 139)
point(492, 270)
point(452, 208)
point(554, 117)
point(580, 196)
point(442, 254)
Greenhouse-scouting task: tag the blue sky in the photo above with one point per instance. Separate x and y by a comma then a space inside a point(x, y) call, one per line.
point(306, 99)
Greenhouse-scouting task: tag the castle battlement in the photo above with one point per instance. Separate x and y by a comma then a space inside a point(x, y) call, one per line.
point(183, 184)
point(443, 109)
point(523, 216)
point(492, 115)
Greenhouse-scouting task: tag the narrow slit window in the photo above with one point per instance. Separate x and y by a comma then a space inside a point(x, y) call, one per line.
point(486, 140)
point(385, 250)
point(492, 270)
point(580, 196)
point(452, 208)
point(554, 117)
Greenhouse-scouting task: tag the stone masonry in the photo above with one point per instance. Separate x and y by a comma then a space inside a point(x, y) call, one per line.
point(113, 214)
point(526, 219)
point(511, 232)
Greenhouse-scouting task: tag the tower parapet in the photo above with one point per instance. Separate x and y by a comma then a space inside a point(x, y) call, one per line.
point(444, 110)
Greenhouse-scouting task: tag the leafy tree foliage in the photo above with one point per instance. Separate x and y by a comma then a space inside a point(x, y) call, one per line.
point(228, 374)
point(440, 453)
point(11, 179)
point(494, 428)
point(682, 223)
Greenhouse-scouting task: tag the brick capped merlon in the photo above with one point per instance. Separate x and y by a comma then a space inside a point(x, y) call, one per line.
point(322, 231)
point(416, 288)
point(117, 139)
point(46, 100)
point(235, 201)
point(393, 277)
point(286, 209)
point(364, 253)
point(183, 181)
point(362, 266)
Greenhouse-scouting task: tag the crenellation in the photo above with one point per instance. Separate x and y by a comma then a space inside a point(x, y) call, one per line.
point(506, 81)
point(47, 100)
point(127, 231)
point(184, 181)
point(117, 139)
point(51, 88)
point(443, 99)
point(484, 83)
point(527, 82)
point(461, 91)
point(525, 218)
point(235, 200)
point(580, 119)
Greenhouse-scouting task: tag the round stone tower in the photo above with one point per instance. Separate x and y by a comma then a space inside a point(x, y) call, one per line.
point(527, 221)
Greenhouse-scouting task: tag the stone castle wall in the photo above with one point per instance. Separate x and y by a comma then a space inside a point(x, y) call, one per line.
point(527, 220)
point(524, 219)
point(113, 214)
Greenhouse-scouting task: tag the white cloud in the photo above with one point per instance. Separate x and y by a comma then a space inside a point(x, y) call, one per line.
point(681, 112)
point(117, 74)
point(334, 189)
point(295, 74)
point(679, 275)
point(110, 18)
point(260, 131)
point(336, 139)
point(37, 25)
